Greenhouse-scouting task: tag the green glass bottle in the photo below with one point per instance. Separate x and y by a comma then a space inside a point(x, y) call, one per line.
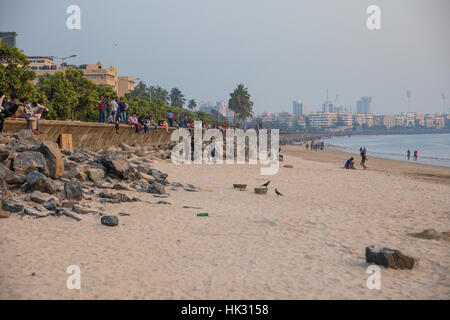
point(202, 214)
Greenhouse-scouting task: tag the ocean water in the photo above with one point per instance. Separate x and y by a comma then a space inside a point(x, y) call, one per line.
point(432, 149)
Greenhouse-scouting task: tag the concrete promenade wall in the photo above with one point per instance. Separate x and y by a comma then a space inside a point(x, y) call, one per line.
point(93, 136)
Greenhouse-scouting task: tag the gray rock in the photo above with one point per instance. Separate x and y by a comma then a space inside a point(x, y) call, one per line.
point(95, 174)
point(77, 173)
point(21, 146)
point(30, 160)
point(191, 188)
point(389, 258)
point(5, 172)
point(12, 205)
point(66, 152)
point(103, 185)
point(79, 157)
point(73, 190)
point(34, 213)
point(4, 154)
point(52, 155)
point(116, 165)
point(121, 186)
point(69, 165)
point(15, 179)
point(155, 187)
point(38, 181)
point(51, 204)
point(81, 209)
point(26, 135)
point(158, 175)
point(40, 197)
point(110, 221)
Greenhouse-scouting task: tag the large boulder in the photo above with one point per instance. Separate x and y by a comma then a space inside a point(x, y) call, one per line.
point(12, 205)
point(30, 160)
point(388, 258)
point(95, 174)
point(116, 165)
point(37, 181)
point(54, 160)
point(26, 135)
point(156, 188)
point(73, 189)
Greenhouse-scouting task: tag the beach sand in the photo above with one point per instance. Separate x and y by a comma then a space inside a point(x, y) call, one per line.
point(309, 244)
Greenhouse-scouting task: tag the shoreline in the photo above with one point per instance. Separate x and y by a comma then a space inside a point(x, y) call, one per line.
point(420, 171)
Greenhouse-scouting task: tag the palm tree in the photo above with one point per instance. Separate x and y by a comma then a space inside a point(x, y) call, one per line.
point(192, 105)
point(240, 103)
point(156, 92)
point(177, 98)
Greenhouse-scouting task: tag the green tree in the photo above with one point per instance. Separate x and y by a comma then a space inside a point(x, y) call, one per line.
point(14, 74)
point(177, 98)
point(140, 91)
point(86, 93)
point(59, 93)
point(192, 104)
point(240, 103)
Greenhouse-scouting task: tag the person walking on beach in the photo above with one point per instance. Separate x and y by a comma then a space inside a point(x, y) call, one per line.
point(363, 158)
point(307, 146)
point(408, 154)
point(415, 155)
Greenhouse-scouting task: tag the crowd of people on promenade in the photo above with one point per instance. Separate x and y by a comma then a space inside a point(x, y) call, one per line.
point(115, 110)
point(23, 108)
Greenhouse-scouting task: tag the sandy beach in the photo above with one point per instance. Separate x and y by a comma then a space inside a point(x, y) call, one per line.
point(308, 244)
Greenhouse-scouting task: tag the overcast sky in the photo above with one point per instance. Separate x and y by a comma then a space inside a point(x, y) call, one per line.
point(282, 50)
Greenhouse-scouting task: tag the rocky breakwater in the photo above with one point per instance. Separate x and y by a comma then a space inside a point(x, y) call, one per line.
point(38, 179)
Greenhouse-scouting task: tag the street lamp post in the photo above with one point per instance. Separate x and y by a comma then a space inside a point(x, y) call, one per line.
point(63, 59)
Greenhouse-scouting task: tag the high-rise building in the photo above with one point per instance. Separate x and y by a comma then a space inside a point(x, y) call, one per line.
point(328, 106)
point(8, 38)
point(299, 108)
point(364, 105)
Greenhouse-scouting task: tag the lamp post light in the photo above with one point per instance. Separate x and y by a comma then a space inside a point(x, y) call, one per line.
point(63, 59)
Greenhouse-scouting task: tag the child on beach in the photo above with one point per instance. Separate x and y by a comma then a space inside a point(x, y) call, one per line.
point(363, 157)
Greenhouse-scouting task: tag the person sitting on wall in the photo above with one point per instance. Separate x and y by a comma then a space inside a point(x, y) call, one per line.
point(163, 123)
point(153, 123)
point(25, 112)
point(8, 107)
point(133, 120)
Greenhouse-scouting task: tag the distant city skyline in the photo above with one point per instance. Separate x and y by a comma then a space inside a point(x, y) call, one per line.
point(281, 50)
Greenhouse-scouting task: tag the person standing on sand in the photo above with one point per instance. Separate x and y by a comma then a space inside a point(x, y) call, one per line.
point(408, 154)
point(307, 146)
point(415, 155)
point(363, 158)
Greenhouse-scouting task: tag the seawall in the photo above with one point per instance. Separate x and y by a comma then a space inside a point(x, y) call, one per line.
point(93, 136)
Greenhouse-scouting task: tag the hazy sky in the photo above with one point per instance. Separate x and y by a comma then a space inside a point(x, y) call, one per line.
point(282, 50)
